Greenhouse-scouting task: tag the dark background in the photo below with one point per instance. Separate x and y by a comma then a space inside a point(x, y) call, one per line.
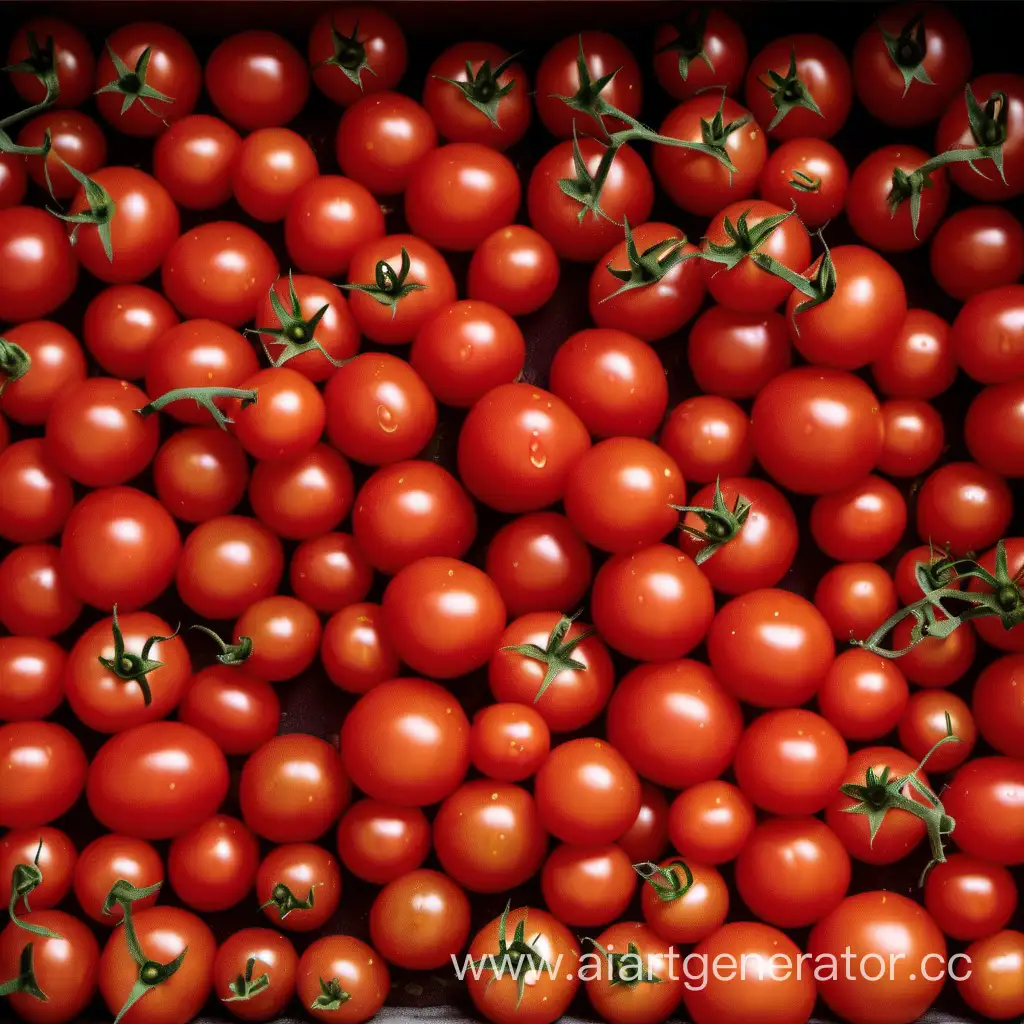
point(310, 703)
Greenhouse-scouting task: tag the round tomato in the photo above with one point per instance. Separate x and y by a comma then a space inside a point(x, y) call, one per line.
point(991, 629)
point(200, 473)
point(36, 498)
point(914, 437)
point(42, 771)
point(986, 799)
point(923, 724)
point(36, 597)
point(122, 325)
point(587, 885)
point(273, 957)
point(285, 636)
point(709, 437)
point(31, 678)
point(508, 742)
point(113, 857)
point(976, 249)
point(330, 572)
point(342, 980)
point(863, 522)
point(378, 841)
point(647, 837)
point(193, 161)
point(964, 507)
point(236, 710)
point(271, 165)
point(863, 695)
point(810, 174)
point(57, 361)
point(970, 898)
point(298, 886)
point(700, 50)
point(684, 915)
point(994, 428)
point(288, 418)
point(515, 269)
point(13, 180)
point(710, 822)
point(356, 650)
point(993, 987)
point(995, 703)
point(47, 849)
point(213, 866)
point(75, 138)
point(987, 338)
point(71, 53)
point(917, 361)
point(40, 267)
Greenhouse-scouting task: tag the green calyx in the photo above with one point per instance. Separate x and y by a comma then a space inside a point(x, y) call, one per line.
point(349, 56)
point(802, 182)
point(230, 654)
point(585, 187)
point(41, 64)
point(626, 968)
point(817, 289)
point(131, 83)
point(296, 334)
point(744, 240)
point(203, 397)
point(481, 87)
point(558, 653)
point(665, 881)
point(908, 51)
point(788, 92)
point(15, 362)
point(332, 996)
point(721, 524)
point(588, 99)
point(100, 213)
point(647, 267)
point(286, 901)
point(134, 668)
point(516, 958)
point(245, 986)
point(25, 979)
point(389, 288)
point(25, 879)
point(689, 42)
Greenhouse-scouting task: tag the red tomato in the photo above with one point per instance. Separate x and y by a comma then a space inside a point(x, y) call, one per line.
point(653, 604)
point(709, 437)
point(587, 885)
point(379, 842)
point(710, 822)
point(40, 267)
point(992, 631)
point(863, 522)
point(986, 798)
point(923, 724)
point(935, 662)
point(706, 49)
point(257, 79)
point(330, 572)
point(918, 361)
point(694, 914)
point(356, 651)
point(970, 898)
point(57, 361)
point(72, 53)
point(963, 506)
point(31, 678)
point(352, 972)
point(193, 160)
point(75, 138)
point(515, 269)
point(51, 851)
point(995, 702)
point(236, 710)
point(301, 868)
point(810, 174)
point(508, 742)
point(287, 420)
point(863, 695)
point(647, 837)
point(675, 723)
point(213, 866)
point(914, 437)
point(994, 428)
point(42, 768)
point(13, 180)
point(107, 859)
point(994, 987)
point(37, 597)
point(273, 957)
point(35, 497)
point(271, 165)
point(976, 249)
point(285, 634)
point(122, 325)
point(200, 473)
point(988, 335)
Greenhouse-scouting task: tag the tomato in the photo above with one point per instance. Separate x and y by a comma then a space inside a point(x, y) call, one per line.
point(698, 182)
point(976, 249)
point(495, 994)
point(675, 723)
point(164, 933)
point(710, 822)
point(213, 866)
point(914, 437)
point(269, 168)
point(35, 497)
point(734, 354)
point(700, 50)
point(954, 131)
point(458, 109)
point(964, 506)
point(992, 631)
point(219, 270)
point(378, 841)
point(538, 561)
point(935, 662)
point(863, 695)
point(349, 970)
point(986, 798)
point(122, 326)
point(107, 859)
point(970, 898)
point(647, 837)
point(810, 174)
point(653, 604)
point(274, 958)
point(57, 361)
point(558, 76)
point(74, 137)
point(988, 335)
point(65, 968)
point(121, 547)
point(993, 987)
point(200, 473)
point(301, 868)
point(228, 563)
point(515, 269)
point(31, 678)
point(286, 637)
point(918, 361)
point(369, 56)
point(657, 306)
point(708, 437)
point(13, 180)
point(257, 79)
point(421, 722)
point(863, 522)
point(51, 851)
point(420, 921)
point(356, 651)
point(924, 723)
point(72, 53)
point(329, 572)
point(35, 593)
point(40, 267)
point(459, 194)
point(589, 885)
point(768, 987)
point(993, 428)
point(816, 430)
point(287, 420)
point(508, 742)
point(235, 709)
point(691, 916)
point(193, 160)
point(761, 553)
point(612, 380)
point(627, 193)
point(293, 788)
point(995, 703)
point(42, 768)
point(381, 138)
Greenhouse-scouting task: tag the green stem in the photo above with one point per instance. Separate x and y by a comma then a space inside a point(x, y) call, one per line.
point(25, 879)
point(204, 398)
point(230, 654)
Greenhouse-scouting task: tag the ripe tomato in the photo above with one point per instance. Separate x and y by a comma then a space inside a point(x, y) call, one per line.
point(934, 661)
point(329, 572)
point(347, 970)
point(810, 174)
point(816, 430)
point(72, 53)
point(675, 723)
point(613, 381)
point(988, 335)
point(200, 473)
point(381, 138)
point(659, 305)
point(917, 361)
point(993, 428)
point(976, 249)
point(51, 851)
point(288, 419)
point(301, 868)
point(515, 269)
point(710, 822)
point(573, 697)
point(356, 650)
point(35, 595)
point(914, 437)
point(587, 885)
point(708, 437)
point(647, 837)
point(107, 859)
point(964, 506)
point(213, 866)
point(516, 448)
point(653, 604)
point(293, 788)
point(274, 958)
point(42, 768)
point(57, 361)
point(908, 589)
point(40, 267)
point(219, 270)
point(257, 79)
point(369, 56)
point(236, 710)
point(13, 181)
point(995, 703)
point(970, 898)
point(423, 723)
point(31, 678)
point(271, 165)
point(378, 841)
point(193, 161)
point(991, 630)
point(164, 933)
point(691, 917)
point(74, 137)
point(994, 987)
point(285, 634)
point(122, 325)
point(985, 799)
point(863, 522)
point(35, 497)
point(627, 193)
point(863, 695)
point(226, 564)
point(923, 724)
point(420, 921)
point(508, 742)
point(698, 51)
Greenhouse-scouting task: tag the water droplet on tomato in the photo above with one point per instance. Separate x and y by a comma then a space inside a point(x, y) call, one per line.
point(386, 419)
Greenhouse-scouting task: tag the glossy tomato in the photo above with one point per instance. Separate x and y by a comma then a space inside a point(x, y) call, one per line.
point(236, 710)
point(42, 768)
point(515, 268)
point(994, 987)
point(993, 428)
point(963, 506)
point(863, 522)
point(36, 597)
point(970, 898)
point(587, 885)
point(379, 842)
point(36, 498)
point(193, 161)
point(285, 634)
point(914, 437)
point(271, 165)
point(810, 174)
point(57, 360)
point(121, 326)
point(213, 866)
point(330, 572)
point(991, 630)
point(356, 651)
point(924, 723)
point(708, 437)
point(710, 822)
point(72, 54)
point(508, 742)
point(42, 268)
point(48, 849)
point(976, 249)
point(986, 798)
point(285, 879)
point(647, 837)
point(107, 859)
point(31, 678)
point(863, 695)
point(918, 361)
point(352, 973)
point(75, 138)
point(699, 50)
point(273, 957)
point(988, 335)
point(995, 704)
point(288, 418)
point(691, 915)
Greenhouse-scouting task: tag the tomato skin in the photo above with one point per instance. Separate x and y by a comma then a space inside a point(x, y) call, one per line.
point(256, 80)
point(363, 973)
point(213, 866)
point(647, 837)
point(675, 723)
point(914, 437)
point(419, 921)
point(31, 678)
point(970, 898)
point(74, 59)
point(37, 599)
point(985, 798)
point(392, 717)
point(658, 309)
point(693, 916)
point(220, 271)
point(41, 267)
point(976, 249)
point(992, 631)
point(987, 337)
point(994, 428)
point(302, 867)
point(508, 742)
point(42, 768)
point(356, 650)
point(103, 862)
point(288, 419)
point(792, 871)
point(56, 860)
point(964, 506)
point(612, 380)
point(994, 988)
point(13, 181)
point(628, 192)
point(74, 137)
point(725, 46)
point(35, 497)
point(799, 160)
point(57, 361)
point(330, 572)
point(863, 695)
point(163, 933)
point(269, 168)
point(65, 968)
point(710, 822)
point(587, 885)
point(515, 269)
point(275, 956)
point(573, 698)
point(200, 473)
point(379, 841)
point(997, 710)
point(193, 160)
point(935, 662)
point(924, 723)
point(863, 522)
point(236, 710)
point(674, 615)
point(286, 637)
point(122, 324)
point(708, 437)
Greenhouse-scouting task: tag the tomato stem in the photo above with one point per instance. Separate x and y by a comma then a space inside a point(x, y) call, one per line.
point(721, 524)
point(245, 986)
point(388, 287)
point(15, 362)
point(230, 654)
point(626, 968)
point(908, 50)
point(481, 88)
point(286, 901)
point(131, 82)
point(332, 996)
point(803, 182)
point(134, 668)
point(557, 655)
point(349, 55)
point(25, 879)
point(818, 289)
point(651, 265)
point(788, 92)
point(689, 42)
point(743, 240)
point(665, 881)
point(203, 397)
point(512, 957)
point(41, 64)
point(25, 980)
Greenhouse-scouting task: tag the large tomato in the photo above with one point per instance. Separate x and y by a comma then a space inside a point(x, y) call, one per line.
point(988, 334)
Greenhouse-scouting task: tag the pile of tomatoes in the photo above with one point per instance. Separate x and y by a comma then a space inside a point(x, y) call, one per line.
point(648, 637)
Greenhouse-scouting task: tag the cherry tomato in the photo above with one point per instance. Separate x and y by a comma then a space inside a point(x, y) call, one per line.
point(269, 168)
point(40, 267)
point(647, 837)
point(863, 695)
point(75, 138)
point(107, 859)
point(51, 851)
point(970, 898)
point(995, 703)
point(286, 637)
point(330, 572)
point(985, 798)
point(991, 630)
point(515, 269)
point(36, 595)
point(994, 987)
point(708, 437)
point(976, 249)
point(122, 326)
point(935, 662)
point(924, 723)
point(988, 336)
point(508, 742)
point(356, 969)
point(810, 174)
point(710, 822)
point(690, 916)
point(356, 650)
point(378, 841)
point(200, 473)
point(857, 597)
point(587, 885)
point(914, 437)
point(35, 497)
point(213, 866)
point(57, 361)
point(273, 957)
point(72, 53)
point(42, 768)
point(13, 180)
point(303, 868)
point(918, 361)
point(863, 522)
point(287, 420)
point(193, 160)
point(31, 678)
point(701, 50)
point(236, 710)
point(993, 428)
point(964, 506)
